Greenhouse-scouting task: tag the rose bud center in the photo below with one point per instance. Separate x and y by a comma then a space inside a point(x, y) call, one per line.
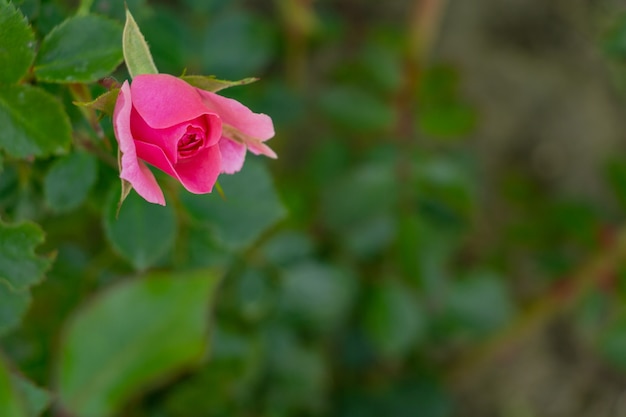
point(191, 142)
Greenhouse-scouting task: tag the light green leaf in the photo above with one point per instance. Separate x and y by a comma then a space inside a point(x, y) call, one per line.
point(136, 51)
point(17, 44)
point(20, 267)
point(82, 49)
point(143, 232)
point(131, 337)
point(69, 180)
point(11, 405)
point(36, 399)
point(251, 207)
point(210, 83)
point(33, 122)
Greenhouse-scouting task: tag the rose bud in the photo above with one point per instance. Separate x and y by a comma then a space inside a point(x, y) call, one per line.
point(191, 134)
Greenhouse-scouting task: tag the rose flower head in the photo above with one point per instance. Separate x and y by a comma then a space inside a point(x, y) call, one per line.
point(191, 134)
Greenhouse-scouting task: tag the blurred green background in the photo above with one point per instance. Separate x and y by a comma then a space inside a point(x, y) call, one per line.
point(442, 235)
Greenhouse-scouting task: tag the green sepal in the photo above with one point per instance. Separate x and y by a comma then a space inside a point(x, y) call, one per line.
point(136, 51)
point(104, 103)
point(212, 84)
point(126, 186)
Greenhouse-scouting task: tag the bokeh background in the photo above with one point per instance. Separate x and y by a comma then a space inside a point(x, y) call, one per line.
point(443, 234)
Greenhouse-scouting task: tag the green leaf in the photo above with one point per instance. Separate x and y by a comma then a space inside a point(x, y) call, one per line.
point(236, 364)
point(136, 52)
point(442, 112)
point(82, 49)
point(20, 267)
point(13, 306)
point(69, 180)
point(36, 399)
point(11, 405)
point(17, 44)
point(352, 207)
point(356, 109)
point(614, 40)
point(288, 247)
point(612, 342)
point(210, 83)
point(480, 303)
point(616, 176)
point(394, 319)
point(317, 294)
point(131, 337)
point(251, 206)
point(143, 232)
point(251, 44)
point(299, 373)
point(447, 120)
point(33, 122)
point(84, 7)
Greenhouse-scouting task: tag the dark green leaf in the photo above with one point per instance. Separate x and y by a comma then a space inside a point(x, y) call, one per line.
point(136, 51)
point(143, 232)
point(288, 247)
point(13, 305)
point(132, 337)
point(480, 303)
point(20, 267)
point(33, 122)
point(441, 112)
point(17, 44)
point(69, 180)
point(299, 374)
point(356, 109)
point(251, 206)
point(250, 45)
point(236, 363)
point(82, 49)
point(612, 342)
point(316, 294)
point(615, 39)
point(394, 320)
point(359, 207)
point(446, 120)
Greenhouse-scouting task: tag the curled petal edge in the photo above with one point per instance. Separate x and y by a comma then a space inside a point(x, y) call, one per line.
point(131, 168)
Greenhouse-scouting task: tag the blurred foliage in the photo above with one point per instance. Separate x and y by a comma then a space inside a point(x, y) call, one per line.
point(356, 271)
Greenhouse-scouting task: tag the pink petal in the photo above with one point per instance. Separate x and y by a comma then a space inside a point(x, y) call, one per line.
point(133, 170)
point(232, 112)
point(233, 155)
point(197, 174)
point(164, 101)
point(167, 138)
point(259, 148)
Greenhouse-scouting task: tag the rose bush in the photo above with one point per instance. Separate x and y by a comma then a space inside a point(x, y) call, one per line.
point(189, 133)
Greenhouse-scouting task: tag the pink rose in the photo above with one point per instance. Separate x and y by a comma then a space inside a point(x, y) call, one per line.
point(191, 134)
